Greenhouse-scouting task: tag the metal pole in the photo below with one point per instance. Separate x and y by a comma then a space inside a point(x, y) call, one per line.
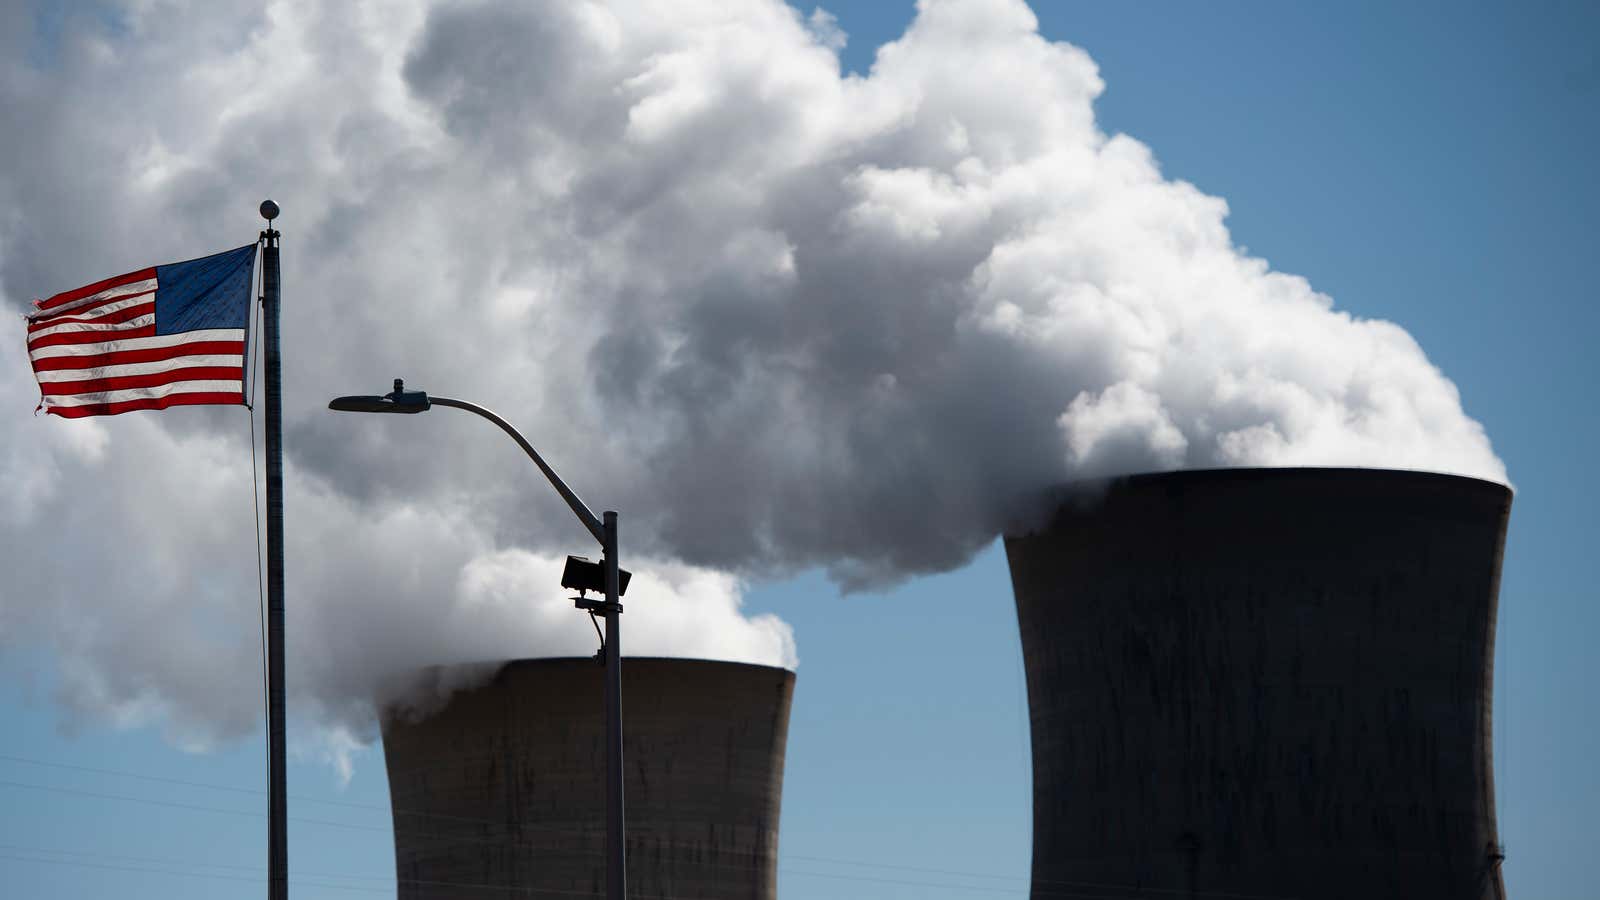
point(616, 852)
point(277, 803)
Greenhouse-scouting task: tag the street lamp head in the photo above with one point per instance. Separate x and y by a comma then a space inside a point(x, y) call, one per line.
point(399, 400)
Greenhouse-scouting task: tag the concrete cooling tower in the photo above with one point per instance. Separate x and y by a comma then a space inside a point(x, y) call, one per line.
point(1264, 683)
point(502, 792)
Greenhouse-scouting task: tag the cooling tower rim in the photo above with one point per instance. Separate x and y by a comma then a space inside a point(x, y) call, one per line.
point(1050, 501)
point(439, 681)
point(530, 661)
point(1256, 473)
point(693, 660)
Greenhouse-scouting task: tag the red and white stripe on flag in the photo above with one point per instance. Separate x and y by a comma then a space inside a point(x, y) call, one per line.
point(170, 335)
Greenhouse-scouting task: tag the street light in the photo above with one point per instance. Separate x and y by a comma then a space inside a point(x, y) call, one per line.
point(581, 574)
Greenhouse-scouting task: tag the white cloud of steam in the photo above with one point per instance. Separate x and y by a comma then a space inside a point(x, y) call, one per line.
point(145, 586)
point(775, 316)
point(824, 28)
point(474, 602)
point(1123, 427)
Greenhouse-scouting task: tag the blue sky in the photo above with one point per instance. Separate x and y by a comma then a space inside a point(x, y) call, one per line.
point(1429, 164)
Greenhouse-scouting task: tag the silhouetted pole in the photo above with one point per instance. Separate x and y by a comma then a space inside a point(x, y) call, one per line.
point(616, 853)
point(277, 793)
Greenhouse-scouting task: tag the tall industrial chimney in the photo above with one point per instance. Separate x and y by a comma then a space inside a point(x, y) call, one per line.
point(501, 793)
point(1271, 683)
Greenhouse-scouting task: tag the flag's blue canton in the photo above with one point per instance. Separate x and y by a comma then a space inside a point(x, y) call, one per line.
point(210, 292)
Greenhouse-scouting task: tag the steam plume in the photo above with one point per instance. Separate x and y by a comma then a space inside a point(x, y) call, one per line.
point(776, 316)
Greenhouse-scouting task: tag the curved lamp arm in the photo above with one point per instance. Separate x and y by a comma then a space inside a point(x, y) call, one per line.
point(590, 521)
point(401, 400)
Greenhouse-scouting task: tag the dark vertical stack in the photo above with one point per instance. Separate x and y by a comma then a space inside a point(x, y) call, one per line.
point(1265, 682)
point(502, 792)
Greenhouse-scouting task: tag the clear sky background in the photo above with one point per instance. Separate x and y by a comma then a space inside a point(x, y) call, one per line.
point(1427, 163)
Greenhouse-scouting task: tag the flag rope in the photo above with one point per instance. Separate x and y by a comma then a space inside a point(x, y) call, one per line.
point(254, 360)
point(255, 498)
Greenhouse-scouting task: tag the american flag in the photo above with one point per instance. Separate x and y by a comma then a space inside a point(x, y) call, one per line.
point(170, 335)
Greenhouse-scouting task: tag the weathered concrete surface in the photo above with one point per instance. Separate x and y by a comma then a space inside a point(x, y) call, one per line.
point(502, 793)
point(1266, 682)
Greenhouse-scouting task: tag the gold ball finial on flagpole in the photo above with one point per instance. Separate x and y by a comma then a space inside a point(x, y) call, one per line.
point(269, 210)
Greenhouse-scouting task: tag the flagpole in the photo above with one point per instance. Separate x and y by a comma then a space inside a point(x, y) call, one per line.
point(277, 792)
